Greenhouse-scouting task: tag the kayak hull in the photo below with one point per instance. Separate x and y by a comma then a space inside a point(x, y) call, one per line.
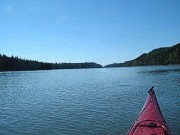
point(150, 120)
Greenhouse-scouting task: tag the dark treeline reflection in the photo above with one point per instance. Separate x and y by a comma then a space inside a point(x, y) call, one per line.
point(17, 64)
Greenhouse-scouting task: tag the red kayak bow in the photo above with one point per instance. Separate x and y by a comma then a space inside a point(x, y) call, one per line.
point(150, 121)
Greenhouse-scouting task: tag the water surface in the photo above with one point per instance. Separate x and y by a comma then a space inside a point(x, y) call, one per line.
point(85, 101)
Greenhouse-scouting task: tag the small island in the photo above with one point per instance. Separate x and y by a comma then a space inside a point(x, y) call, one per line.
point(159, 56)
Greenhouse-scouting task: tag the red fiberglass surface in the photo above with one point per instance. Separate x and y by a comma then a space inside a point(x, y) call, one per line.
point(150, 120)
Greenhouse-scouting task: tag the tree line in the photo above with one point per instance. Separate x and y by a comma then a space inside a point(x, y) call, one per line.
point(17, 64)
point(159, 56)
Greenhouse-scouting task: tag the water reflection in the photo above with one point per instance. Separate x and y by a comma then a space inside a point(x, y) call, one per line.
point(91, 101)
point(161, 71)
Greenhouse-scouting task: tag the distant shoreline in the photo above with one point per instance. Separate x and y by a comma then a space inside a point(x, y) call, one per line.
point(165, 56)
point(159, 56)
point(89, 68)
point(145, 66)
point(17, 64)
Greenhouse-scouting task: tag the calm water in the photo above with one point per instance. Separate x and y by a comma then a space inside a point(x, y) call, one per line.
point(85, 101)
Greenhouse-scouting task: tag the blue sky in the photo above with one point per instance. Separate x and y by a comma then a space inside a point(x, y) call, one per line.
point(102, 31)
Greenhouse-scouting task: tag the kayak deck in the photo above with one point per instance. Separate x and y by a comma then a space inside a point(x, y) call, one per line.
point(150, 121)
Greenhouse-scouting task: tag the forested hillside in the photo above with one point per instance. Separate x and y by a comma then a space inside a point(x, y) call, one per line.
point(160, 56)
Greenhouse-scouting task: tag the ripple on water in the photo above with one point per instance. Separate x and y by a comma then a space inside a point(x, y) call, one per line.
point(92, 101)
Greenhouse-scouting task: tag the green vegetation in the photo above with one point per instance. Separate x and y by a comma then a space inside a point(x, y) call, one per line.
point(160, 56)
point(17, 64)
